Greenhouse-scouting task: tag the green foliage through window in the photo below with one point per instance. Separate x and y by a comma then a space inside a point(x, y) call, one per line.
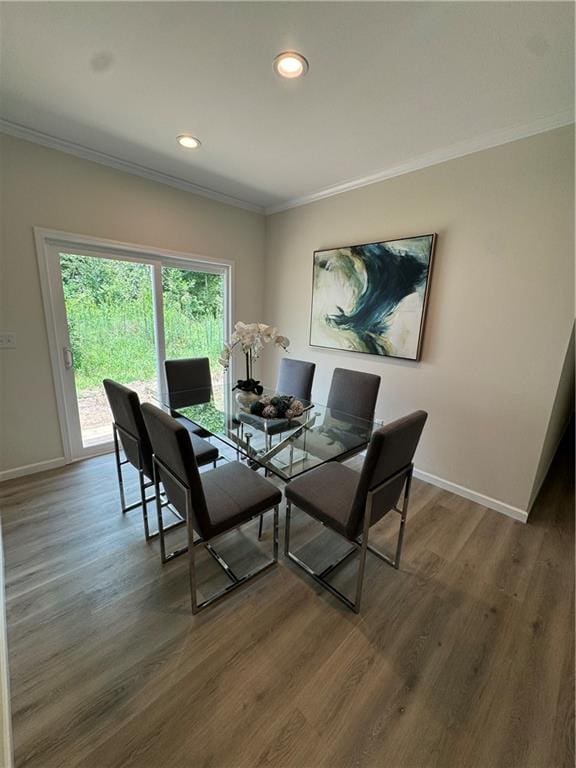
point(109, 306)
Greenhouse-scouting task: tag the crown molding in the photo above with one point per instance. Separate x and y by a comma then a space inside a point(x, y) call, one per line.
point(53, 142)
point(461, 149)
point(469, 147)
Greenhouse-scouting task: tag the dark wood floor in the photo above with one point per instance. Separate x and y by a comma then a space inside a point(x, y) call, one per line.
point(463, 658)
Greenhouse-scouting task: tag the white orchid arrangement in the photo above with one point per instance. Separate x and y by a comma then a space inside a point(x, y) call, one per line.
point(251, 338)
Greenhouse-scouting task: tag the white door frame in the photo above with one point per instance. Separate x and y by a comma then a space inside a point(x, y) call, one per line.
point(49, 243)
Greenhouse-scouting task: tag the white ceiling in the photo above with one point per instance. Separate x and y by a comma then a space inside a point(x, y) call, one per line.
point(388, 83)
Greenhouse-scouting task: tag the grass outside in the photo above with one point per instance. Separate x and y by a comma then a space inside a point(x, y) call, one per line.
point(110, 312)
point(118, 342)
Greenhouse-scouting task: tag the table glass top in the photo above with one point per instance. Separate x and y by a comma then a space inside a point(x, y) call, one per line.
point(286, 447)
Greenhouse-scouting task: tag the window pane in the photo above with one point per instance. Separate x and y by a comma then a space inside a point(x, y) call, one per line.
point(194, 318)
point(111, 329)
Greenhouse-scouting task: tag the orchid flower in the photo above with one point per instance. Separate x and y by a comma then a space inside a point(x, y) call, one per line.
point(251, 337)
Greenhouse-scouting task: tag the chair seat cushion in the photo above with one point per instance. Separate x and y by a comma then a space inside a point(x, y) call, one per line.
point(204, 451)
point(234, 494)
point(327, 493)
point(191, 426)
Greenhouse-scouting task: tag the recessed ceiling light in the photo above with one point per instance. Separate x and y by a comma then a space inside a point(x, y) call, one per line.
point(290, 64)
point(188, 141)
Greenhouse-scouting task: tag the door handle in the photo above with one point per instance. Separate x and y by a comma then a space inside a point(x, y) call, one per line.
point(68, 357)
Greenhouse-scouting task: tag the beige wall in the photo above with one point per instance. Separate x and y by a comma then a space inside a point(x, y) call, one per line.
point(45, 188)
point(500, 311)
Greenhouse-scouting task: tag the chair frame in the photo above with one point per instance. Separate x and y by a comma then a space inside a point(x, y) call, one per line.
point(237, 581)
point(362, 546)
point(143, 483)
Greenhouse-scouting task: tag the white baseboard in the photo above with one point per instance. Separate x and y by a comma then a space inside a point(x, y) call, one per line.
point(479, 498)
point(6, 751)
point(31, 469)
point(459, 490)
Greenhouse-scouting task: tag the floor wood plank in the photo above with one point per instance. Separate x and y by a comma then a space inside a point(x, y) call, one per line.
point(463, 658)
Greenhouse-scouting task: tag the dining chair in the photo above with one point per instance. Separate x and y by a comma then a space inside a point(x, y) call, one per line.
point(348, 417)
point(129, 431)
point(353, 393)
point(295, 378)
point(189, 383)
point(211, 504)
point(350, 503)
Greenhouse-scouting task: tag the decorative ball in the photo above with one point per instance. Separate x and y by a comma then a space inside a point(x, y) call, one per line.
point(257, 408)
point(297, 408)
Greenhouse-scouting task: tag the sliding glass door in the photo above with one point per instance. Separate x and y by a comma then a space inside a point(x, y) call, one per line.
point(120, 318)
point(111, 330)
point(193, 308)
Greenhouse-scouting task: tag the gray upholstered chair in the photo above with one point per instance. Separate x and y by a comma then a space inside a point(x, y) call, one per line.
point(129, 431)
point(353, 393)
point(349, 502)
point(189, 383)
point(295, 377)
point(349, 413)
point(212, 503)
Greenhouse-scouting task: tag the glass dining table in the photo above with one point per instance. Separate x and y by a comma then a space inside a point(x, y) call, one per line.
point(292, 447)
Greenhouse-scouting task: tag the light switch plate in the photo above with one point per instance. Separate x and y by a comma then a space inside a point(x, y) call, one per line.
point(7, 341)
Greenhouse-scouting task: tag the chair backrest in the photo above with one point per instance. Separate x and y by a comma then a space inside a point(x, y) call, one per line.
point(127, 414)
point(353, 393)
point(295, 378)
point(391, 450)
point(172, 446)
point(189, 381)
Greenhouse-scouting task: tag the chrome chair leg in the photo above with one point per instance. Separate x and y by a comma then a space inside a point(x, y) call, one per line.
point(159, 515)
point(363, 547)
point(143, 485)
point(275, 533)
point(191, 557)
point(362, 563)
point(144, 499)
point(236, 581)
point(268, 447)
point(287, 528)
point(119, 468)
point(403, 516)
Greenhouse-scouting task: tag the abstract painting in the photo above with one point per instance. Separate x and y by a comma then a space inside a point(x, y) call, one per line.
point(372, 298)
